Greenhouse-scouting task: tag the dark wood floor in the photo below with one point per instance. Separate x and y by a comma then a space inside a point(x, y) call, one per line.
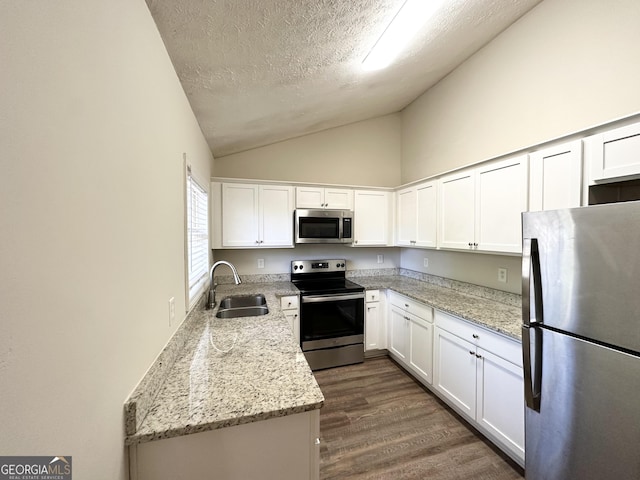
point(379, 423)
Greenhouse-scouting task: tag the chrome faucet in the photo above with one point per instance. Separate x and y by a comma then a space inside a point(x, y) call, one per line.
point(211, 303)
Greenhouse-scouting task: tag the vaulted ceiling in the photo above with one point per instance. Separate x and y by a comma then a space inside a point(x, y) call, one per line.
point(260, 71)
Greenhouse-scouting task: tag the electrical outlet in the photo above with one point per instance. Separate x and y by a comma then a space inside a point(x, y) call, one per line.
point(502, 275)
point(380, 258)
point(261, 263)
point(172, 310)
point(425, 262)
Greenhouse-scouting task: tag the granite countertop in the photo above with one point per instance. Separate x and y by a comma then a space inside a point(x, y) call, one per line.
point(218, 373)
point(264, 375)
point(500, 317)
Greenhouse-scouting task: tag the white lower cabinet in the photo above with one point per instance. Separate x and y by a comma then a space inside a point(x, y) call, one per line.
point(480, 374)
point(374, 327)
point(411, 335)
point(290, 306)
point(283, 448)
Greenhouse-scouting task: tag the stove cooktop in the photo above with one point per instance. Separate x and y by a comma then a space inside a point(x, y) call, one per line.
point(325, 286)
point(322, 277)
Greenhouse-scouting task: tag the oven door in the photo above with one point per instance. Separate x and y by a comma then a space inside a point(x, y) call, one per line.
point(331, 320)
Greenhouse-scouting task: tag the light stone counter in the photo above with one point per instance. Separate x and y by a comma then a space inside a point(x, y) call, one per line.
point(194, 386)
point(503, 316)
point(264, 375)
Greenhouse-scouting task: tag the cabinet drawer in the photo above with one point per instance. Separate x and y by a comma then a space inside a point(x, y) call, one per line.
point(289, 302)
point(510, 350)
point(408, 305)
point(372, 296)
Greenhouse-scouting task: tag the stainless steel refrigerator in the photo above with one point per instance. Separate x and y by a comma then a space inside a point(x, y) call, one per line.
point(581, 342)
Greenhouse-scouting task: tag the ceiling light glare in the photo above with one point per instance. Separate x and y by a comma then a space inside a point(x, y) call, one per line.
point(412, 15)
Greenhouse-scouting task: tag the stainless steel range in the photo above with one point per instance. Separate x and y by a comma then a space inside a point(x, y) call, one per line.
point(331, 313)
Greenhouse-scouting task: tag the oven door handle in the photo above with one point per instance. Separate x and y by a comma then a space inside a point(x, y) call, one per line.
point(331, 298)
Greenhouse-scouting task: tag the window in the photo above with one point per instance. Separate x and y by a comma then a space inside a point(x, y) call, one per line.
point(197, 238)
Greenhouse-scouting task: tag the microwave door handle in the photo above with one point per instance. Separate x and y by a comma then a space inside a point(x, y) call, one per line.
point(531, 331)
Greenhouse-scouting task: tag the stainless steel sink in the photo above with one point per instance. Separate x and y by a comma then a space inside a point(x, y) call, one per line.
point(243, 306)
point(240, 301)
point(242, 312)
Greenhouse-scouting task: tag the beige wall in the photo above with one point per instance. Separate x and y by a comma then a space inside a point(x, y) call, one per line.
point(565, 66)
point(278, 260)
point(94, 123)
point(362, 153)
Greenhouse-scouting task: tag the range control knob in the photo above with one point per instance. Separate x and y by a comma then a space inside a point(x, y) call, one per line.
point(301, 267)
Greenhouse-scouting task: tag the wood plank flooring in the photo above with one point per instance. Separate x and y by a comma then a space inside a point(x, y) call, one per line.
point(379, 423)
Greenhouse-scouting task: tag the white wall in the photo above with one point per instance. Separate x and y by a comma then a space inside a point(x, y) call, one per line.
point(565, 66)
point(362, 153)
point(94, 123)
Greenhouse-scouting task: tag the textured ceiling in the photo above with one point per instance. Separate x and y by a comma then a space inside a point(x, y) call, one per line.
point(261, 71)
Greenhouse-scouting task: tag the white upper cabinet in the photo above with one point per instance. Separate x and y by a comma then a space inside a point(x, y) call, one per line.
point(371, 223)
point(555, 177)
point(457, 210)
point(501, 197)
point(614, 154)
point(256, 215)
point(481, 207)
point(330, 198)
point(416, 214)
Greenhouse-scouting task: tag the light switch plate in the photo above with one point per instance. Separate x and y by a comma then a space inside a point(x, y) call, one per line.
point(172, 310)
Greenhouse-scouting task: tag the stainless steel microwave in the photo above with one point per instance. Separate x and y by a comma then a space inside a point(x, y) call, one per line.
point(323, 226)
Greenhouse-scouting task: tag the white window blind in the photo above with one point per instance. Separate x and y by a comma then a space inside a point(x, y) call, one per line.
point(197, 237)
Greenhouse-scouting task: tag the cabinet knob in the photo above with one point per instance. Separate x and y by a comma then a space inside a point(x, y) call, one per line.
point(471, 353)
point(475, 245)
point(258, 241)
point(478, 356)
point(475, 336)
point(470, 244)
point(355, 241)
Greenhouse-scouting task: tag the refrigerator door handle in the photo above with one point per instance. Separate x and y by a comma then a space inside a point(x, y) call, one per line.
point(531, 278)
point(531, 334)
point(532, 366)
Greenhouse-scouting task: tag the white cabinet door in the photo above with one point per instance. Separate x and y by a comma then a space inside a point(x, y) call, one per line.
point(276, 216)
point(338, 198)
point(294, 321)
point(372, 328)
point(500, 400)
point(371, 209)
point(309, 197)
point(555, 177)
point(406, 217)
point(398, 326)
point(426, 215)
point(421, 348)
point(240, 215)
point(501, 197)
point(615, 154)
point(455, 371)
point(457, 210)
